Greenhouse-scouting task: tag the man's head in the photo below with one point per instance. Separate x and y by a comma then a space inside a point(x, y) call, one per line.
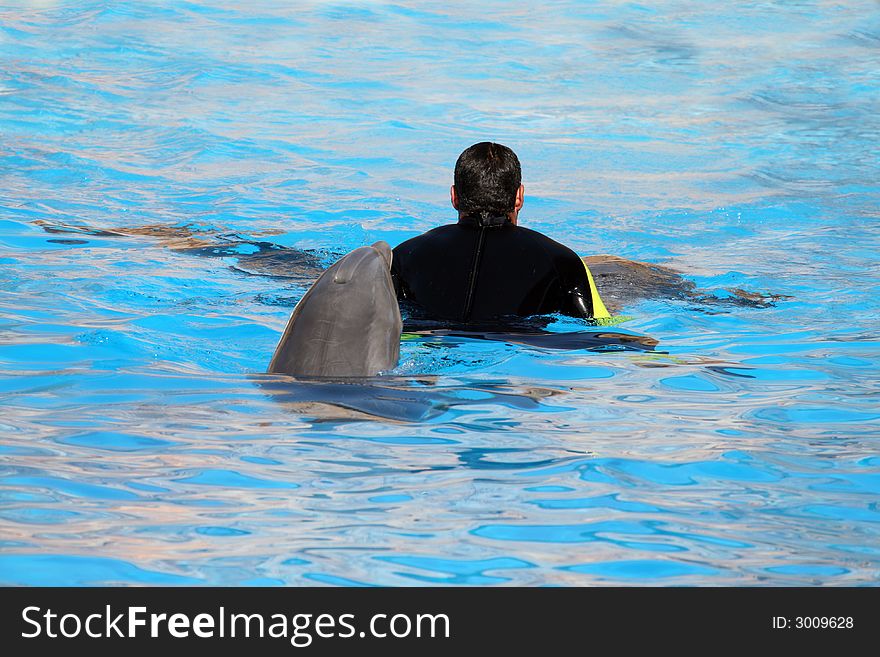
point(488, 181)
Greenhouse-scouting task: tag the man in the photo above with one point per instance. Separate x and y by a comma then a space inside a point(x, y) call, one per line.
point(486, 267)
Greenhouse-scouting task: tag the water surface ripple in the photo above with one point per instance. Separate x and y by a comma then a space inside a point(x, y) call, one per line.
point(173, 174)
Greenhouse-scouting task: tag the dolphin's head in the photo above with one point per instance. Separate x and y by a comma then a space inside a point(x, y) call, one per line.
point(348, 323)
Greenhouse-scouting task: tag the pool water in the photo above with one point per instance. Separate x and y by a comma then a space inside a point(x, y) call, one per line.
point(155, 157)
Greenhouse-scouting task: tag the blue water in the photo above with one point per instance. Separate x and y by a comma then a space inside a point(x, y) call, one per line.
point(736, 142)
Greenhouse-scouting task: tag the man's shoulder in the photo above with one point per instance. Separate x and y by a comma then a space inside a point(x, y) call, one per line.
point(427, 237)
point(550, 245)
point(449, 234)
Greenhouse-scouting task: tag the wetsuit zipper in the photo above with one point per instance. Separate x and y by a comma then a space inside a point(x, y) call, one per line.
point(472, 283)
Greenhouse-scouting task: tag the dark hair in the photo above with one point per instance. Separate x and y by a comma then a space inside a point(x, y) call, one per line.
point(487, 177)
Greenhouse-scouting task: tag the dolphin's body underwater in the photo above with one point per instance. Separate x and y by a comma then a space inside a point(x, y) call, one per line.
point(348, 324)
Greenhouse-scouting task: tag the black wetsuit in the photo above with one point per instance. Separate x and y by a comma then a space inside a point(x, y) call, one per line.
point(484, 269)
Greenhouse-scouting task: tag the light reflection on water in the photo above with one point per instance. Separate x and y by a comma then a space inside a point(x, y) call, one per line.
point(141, 445)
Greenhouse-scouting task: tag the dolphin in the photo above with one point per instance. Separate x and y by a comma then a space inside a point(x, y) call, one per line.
point(621, 282)
point(348, 324)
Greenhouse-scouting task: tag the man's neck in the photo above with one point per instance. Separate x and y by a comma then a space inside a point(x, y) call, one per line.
point(511, 217)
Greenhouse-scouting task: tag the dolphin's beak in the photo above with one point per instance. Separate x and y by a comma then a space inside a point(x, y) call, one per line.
point(383, 248)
